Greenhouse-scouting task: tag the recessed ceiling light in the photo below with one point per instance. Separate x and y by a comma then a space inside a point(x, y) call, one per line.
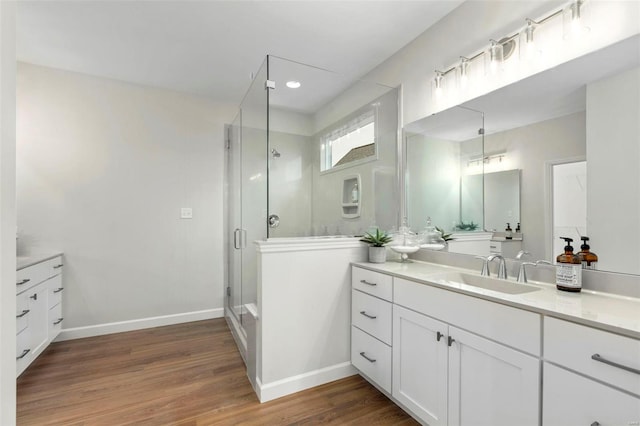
point(293, 84)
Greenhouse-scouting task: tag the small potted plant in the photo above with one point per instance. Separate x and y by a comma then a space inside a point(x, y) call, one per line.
point(446, 237)
point(377, 250)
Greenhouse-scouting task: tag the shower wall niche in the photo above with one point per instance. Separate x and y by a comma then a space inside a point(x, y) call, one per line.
point(351, 197)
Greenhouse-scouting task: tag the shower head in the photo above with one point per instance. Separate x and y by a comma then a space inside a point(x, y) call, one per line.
point(275, 153)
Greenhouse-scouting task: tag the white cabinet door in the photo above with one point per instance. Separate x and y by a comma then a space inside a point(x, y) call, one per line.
point(490, 384)
point(570, 399)
point(38, 318)
point(420, 365)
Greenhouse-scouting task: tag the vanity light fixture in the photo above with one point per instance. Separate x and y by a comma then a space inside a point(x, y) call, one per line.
point(293, 84)
point(574, 20)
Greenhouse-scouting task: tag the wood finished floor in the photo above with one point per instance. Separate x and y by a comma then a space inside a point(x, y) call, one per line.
point(187, 374)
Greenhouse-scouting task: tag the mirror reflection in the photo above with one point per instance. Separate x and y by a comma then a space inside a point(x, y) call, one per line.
point(570, 135)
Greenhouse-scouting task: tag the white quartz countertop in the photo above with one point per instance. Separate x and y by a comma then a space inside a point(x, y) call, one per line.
point(619, 314)
point(26, 261)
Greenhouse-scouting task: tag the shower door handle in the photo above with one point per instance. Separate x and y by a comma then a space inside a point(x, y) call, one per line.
point(236, 239)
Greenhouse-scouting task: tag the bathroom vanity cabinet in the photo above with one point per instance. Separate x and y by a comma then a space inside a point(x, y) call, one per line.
point(456, 359)
point(38, 307)
point(579, 389)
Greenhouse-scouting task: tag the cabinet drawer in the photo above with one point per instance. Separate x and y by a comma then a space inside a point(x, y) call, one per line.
point(30, 276)
point(35, 274)
point(22, 312)
point(372, 315)
point(374, 283)
point(55, 321)
point(23, 351)
point(573, 345)
point(371, 357)
point(573, 400)
point(54, 290)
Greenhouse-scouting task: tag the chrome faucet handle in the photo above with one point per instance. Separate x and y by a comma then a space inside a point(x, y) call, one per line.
point(522, 274)
point(502, 267)
point(522, 253)
point(485, 266)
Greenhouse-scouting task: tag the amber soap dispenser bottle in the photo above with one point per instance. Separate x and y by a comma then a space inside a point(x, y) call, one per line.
point(588, 258)
point(568, 269)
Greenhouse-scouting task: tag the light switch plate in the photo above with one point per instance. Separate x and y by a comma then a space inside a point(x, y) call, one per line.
point(186, 213)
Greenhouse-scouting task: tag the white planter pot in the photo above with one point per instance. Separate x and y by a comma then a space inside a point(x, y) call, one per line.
point(377, 254)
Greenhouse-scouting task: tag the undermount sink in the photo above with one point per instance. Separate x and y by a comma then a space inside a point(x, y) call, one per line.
point(487, 283)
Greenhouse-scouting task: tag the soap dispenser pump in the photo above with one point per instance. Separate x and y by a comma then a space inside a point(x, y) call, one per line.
point(588, 258)
point(508, 232)
point(568, 269)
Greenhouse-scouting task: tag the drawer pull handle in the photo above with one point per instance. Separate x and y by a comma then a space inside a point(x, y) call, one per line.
point(58, 290)
point(367, 315)
point(23, 354)
point(58, 266)
point(367, 282)
point(439, 336)
point(24, 312)
point(597, 357)
point(366, 357)
point(26, 280)
point(58, 321)
point(450, 340)
point(34, 297)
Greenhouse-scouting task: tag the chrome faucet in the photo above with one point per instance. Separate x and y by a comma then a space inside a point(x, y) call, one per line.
point(522, 273)
point(485, 266)
point(502, 267)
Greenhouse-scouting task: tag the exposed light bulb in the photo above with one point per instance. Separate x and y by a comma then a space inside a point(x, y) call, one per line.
point(575, 16)
point(438, 84)
point(529, 38)
point(495, 56)
point(575, 19)
point(464, 72)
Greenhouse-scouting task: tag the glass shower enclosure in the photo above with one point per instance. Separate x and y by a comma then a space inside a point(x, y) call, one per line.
point(311, 154)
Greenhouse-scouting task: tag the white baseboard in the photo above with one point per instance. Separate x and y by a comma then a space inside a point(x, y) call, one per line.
point(137, 324)
point(269, 391)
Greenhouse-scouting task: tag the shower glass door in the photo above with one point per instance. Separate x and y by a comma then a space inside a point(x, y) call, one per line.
point(234, 253)
point(247, 176)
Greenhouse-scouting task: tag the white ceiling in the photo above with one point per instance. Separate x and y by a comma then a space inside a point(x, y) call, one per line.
point(211, 47)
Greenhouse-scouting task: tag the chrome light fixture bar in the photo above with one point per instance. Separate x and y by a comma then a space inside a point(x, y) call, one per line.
point(501, 49)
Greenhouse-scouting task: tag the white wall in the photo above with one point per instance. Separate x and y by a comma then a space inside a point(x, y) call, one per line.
point(378, 197)
point(290, 184)
point(7, 214)
point(613, 178)
point(103, 168)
